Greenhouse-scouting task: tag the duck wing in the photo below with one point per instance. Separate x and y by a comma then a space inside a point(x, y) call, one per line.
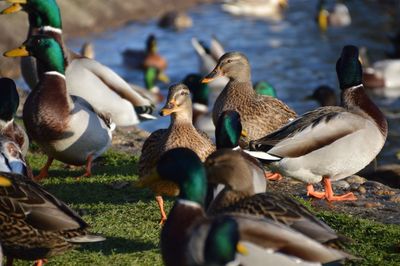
point(26, 200)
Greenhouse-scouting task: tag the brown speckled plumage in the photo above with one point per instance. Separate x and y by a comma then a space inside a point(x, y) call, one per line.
point(16, 133)
point(33, 223)
point(259, 114)
point(180, 133)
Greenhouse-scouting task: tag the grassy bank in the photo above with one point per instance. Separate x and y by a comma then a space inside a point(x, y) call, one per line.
point(129, 218)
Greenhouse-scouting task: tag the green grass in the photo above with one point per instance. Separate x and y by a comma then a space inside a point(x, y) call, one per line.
point(129, 218)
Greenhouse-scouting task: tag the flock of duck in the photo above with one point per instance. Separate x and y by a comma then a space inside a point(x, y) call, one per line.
point(224, 214)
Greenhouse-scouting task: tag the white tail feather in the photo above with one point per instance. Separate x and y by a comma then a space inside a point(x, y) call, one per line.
point(263, 155)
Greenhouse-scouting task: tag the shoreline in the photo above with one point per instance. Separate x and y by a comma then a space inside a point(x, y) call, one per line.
point(89, 17)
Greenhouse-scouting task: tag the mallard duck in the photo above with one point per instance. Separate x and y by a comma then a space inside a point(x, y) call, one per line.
point(259, 114)
point(97, 84)
point(9, 102)
point(324, 95)
point(338, 17)
point(67, 128)
point(187, 227)
point(180, 133)
point(243, 193)
point(11, 158)
point(329, 143)
point(148, 58)
point(175, 20)
point(208, 59)
point(35, 225)
point(255, 8)
point(200, 98)
point(382, 74)
point(264, 88)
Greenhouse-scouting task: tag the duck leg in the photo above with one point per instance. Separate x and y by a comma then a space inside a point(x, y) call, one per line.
point(40, 262)
point(160, 203)
point(89, 161)
point(44, 172)
point(273, 176)
point(311, 192)
point(329, 195)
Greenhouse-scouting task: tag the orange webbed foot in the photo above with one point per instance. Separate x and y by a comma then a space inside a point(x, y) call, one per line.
point(88, 172)
point(312, 193)
point(44, 172)
point(273, 176)
point(347, 196)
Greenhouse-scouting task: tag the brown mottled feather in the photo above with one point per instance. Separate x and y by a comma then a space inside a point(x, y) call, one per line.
point(259, 114)
point(16, 133)
point(34, 224)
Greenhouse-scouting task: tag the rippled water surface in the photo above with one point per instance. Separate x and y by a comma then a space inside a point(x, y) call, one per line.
point(291, 54)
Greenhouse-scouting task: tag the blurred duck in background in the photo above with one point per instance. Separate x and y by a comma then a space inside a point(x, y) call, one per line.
point(66, 128)
point(324, 95)
point(175, 20)
point(35, 225)
point(338, 17)
point(9, 102)
point(97, 84)
point(267, 9)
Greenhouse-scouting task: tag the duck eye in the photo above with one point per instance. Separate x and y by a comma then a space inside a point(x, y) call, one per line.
point(229, 61)
point(183, 93)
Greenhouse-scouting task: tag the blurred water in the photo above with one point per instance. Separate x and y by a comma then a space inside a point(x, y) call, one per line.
point(291, 54)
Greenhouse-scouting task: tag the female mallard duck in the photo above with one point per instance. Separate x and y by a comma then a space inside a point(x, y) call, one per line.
point(256, 8)
point(180, 133)
point(259, 114)
point(9, 102)
point(338, 17)
point(67, 128)
point(97, 84)
point(183, 235)
point(243, 193)
point(329, 143)
point(34, 224)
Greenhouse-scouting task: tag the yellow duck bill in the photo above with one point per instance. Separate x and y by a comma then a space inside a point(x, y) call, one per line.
point(17, 52)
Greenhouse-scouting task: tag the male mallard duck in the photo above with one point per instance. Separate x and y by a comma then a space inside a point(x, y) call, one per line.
point(329, 143)
point(259, 114)
point(97, 84)
point(180, 133)
point(255, 8)
point(9, 102)
point(67, 128)
point(338, 17)
point(243, 193)
point(34, 224)
point(200, 98)
point(264, 88)
point(147, 58)
point(324, 95)
point(187, 227)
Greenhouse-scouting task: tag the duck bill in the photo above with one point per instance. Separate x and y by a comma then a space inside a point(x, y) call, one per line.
point(17, 52)
point(240, 248)
point(163, 77)
point(169, 108)
point(14, 8)
point(148, 180)
point(5, 182)
point(323, 20)
point(244, 134)
point(213, 75)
